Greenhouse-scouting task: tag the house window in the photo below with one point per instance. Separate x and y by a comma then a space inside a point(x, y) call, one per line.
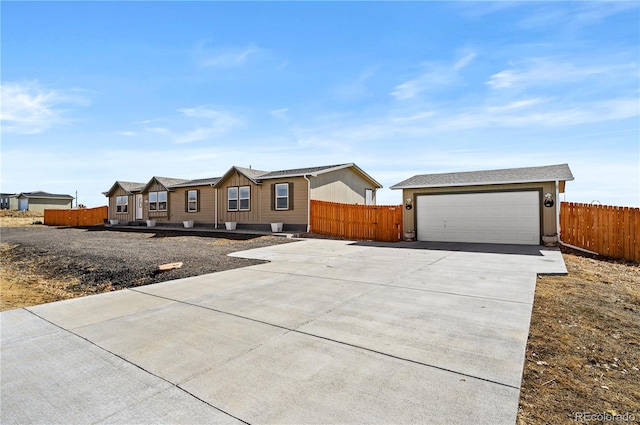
point(245, 198)
point(282, 196)
point(239, 198)
point(158, 201)
point(153, 201)
point(192, 201)
point(232, 199)
point(122, 204)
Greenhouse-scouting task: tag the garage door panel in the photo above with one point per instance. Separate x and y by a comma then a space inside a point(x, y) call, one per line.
point(497, 217)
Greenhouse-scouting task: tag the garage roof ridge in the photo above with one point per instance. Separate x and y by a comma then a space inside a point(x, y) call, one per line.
point(557, 172)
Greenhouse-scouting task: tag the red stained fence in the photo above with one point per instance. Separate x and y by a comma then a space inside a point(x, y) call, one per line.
point(360, 222)
point(610, 231)
point(76, 218)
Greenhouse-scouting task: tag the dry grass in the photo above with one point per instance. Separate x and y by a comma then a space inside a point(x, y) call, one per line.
point(23, 283)
point(10, 218)
point(583, 353)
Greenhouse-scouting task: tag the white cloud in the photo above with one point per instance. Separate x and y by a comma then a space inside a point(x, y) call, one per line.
point(464, 61)
point(356, 89)
point(216, 122)
point(127, 133)
point(226, 57)
point(437, 76)
point(281, 114)
point(28, 108)
point(547, 71)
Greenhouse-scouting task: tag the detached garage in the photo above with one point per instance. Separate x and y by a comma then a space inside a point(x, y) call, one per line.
point(508, 206)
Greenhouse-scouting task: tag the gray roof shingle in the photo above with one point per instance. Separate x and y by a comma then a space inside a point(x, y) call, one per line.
point(560, 172)
point(298, 171)
point(40, 194)
point(198, 182)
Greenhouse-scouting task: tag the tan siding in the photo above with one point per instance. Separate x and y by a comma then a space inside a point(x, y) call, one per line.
point(179, 212)
point(156, 215)
point(548, 214)
point(344, 186)
point(129, 216)
point(39, 205)
point(248, 217)
point(298, 215)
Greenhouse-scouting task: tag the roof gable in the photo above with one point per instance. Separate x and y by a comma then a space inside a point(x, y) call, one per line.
point(129, 187)
point(559, 172)
point(315, 171)
point(249, 173)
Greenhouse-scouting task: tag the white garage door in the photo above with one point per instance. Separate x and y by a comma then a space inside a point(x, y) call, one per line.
point(496, 217)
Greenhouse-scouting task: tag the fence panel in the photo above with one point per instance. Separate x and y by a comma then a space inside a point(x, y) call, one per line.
point(610, 231)
point(76, 217)
point(362, 222)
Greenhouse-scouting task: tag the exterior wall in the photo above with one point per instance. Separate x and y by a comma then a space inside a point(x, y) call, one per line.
point(300, 212)
point(205, 213)
point(344, 186)
point(41, 204)
point(548, 215)
point(113, 215)
point(253, 216)
point(14, 203)
point(156, 215)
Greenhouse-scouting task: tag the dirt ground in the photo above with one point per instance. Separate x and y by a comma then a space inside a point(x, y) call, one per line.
point(583, 353)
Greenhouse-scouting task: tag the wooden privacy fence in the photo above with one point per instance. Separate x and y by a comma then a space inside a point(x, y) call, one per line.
point(610, 231)
point(77, 217)
point(362, 222)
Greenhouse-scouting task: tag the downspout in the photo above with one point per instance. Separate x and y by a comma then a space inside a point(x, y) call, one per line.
point(215, 214)
point(558, 210)
point(308, 202)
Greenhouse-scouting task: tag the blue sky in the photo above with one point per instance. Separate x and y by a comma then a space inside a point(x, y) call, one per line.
point(101, 91)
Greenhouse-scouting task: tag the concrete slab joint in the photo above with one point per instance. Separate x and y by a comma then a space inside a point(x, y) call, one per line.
point(325, 332)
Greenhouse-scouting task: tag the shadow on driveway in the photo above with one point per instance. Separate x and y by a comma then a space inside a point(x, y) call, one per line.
point(536, 250)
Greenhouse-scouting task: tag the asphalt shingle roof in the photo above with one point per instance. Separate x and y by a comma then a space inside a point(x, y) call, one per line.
point(297, 171)
point(560, 172)
point(40, 194)
point(131, 186)
point(198, 182)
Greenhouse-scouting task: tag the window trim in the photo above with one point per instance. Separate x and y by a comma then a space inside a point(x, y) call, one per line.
point(120, 205)
point(240, 198)
point(235, 198)
point(194, 201)
point(286, 196)
point(154, 206)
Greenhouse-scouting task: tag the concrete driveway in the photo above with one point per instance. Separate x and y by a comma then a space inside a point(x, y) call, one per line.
point(326, 332)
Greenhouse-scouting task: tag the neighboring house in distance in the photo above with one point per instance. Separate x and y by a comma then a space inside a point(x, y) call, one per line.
point(251, 198)
point(4, 200)
point(509, 206)
point(39, 201)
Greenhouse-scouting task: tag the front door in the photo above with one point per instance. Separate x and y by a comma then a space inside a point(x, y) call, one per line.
point(138, 207)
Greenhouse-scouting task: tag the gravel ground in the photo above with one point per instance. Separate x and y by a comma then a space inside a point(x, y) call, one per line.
point(124, 260)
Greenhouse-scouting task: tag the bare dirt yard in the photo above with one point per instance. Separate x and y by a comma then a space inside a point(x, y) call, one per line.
point(40, 264)
point(583, 353)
